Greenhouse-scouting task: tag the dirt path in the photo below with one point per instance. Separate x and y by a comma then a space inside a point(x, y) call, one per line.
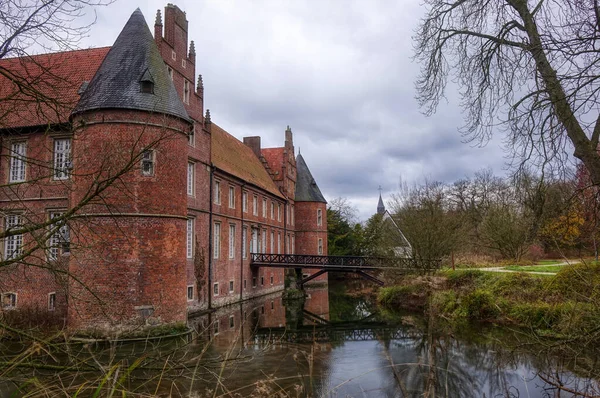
point(502, 269)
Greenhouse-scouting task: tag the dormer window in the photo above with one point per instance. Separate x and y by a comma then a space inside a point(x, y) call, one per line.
point(147, 87)
point(147, 83)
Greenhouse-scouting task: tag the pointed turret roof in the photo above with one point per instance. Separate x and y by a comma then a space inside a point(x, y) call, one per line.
point(133, 58)
point(306, 187)
point(380, 205)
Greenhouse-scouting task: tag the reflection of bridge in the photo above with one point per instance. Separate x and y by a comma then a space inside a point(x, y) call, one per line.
point(320, 334)
point(358, 265)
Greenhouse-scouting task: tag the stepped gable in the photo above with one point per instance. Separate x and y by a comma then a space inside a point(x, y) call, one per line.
point(233, 157)
point(132, 59)
point(55, 79)
point(307, 189)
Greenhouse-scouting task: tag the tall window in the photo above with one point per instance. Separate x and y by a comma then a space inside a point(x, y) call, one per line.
point(51, 301)
point(244, 238)
point(254, 242)
point(320, 247)
point(264, 241)
point(62, 158)
point(264, 208)
point(148, 163)
point(278, 242)
point(192, 136)
point(255, 205)
point(190, 238)
point(278, 211)
point(217, 240)
point(245, 201)
point(293, 245)
point(217, 193)
point(231, 240)
point(272, 210)
point(231, 197)
point(287, 244)
point(17, 162)
point(319, 217)
point(272, 242)
point(186, 91)
point(190, 179)
point(60, 240)
point(292, 214)
point(13, 245)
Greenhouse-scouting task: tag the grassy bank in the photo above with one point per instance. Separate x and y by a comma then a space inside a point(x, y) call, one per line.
point(564, 305)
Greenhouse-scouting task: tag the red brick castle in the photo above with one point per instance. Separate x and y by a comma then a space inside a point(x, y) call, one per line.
point(124, 205)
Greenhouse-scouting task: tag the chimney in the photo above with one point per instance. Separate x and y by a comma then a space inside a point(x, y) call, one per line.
point(175, 19)
point(254, 144)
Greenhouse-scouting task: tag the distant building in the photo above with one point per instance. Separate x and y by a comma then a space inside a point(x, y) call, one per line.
point(173, 234)
point(393, 234)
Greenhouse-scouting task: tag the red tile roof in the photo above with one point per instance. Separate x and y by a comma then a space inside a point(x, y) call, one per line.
point(233, 157)
point(51, 86)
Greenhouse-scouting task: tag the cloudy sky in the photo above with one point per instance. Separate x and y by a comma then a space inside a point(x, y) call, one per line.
point(340, 73)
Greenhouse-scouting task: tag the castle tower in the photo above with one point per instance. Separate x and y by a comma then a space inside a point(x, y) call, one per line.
point(129, 247)
point(311, 214)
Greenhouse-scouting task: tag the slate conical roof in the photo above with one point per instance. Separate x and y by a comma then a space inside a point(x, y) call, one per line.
point(380, 206)
point(306, 187)
point(134, 57)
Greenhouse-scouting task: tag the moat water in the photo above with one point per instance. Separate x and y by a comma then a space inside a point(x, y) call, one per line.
point(336, 343)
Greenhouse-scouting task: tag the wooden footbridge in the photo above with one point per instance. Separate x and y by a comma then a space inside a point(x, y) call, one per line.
point(363, 266)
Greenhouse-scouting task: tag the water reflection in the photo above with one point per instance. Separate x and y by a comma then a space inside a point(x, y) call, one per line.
point(331, 344)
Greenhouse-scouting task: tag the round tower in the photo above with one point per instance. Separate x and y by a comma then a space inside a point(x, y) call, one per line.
point(128, 255)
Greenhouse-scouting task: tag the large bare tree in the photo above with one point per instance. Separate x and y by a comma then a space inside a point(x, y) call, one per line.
point(529, 67)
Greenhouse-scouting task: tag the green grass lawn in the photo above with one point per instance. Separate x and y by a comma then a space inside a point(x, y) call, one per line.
point(549, 262)
point(535, 268)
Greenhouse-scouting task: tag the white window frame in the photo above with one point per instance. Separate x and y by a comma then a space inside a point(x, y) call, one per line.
point(272, 242)
point(320, 247)
point(231, 241)
point(244, 243)
point(13, 245)
point(59, 240)
point(18, 165)
point(319, 217)
point(231, 197)
point(245, 201)
point(264, 241)
point(51, 301)
point(272, 210)
point(187, 292)
point(231, 286)
point(189, 241)
point(271, 279)
point(255, 205)
point(292, 215)
point(62, 158)
point(278, 211)
point(231, 322)
point(191, 178)
point(13, 303)
point(293, 245)
point(217, 193)
point(216, 289)
point(147, 163)
point(255, 241)
point(278, 242)
point(216, 240)
point(192, 136)
point(264, 208)
point(186, 91)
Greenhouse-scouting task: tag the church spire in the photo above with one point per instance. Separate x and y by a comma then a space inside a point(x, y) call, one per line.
point(380, 205)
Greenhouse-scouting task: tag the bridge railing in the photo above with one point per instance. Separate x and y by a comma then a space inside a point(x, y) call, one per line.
point(343, 261)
